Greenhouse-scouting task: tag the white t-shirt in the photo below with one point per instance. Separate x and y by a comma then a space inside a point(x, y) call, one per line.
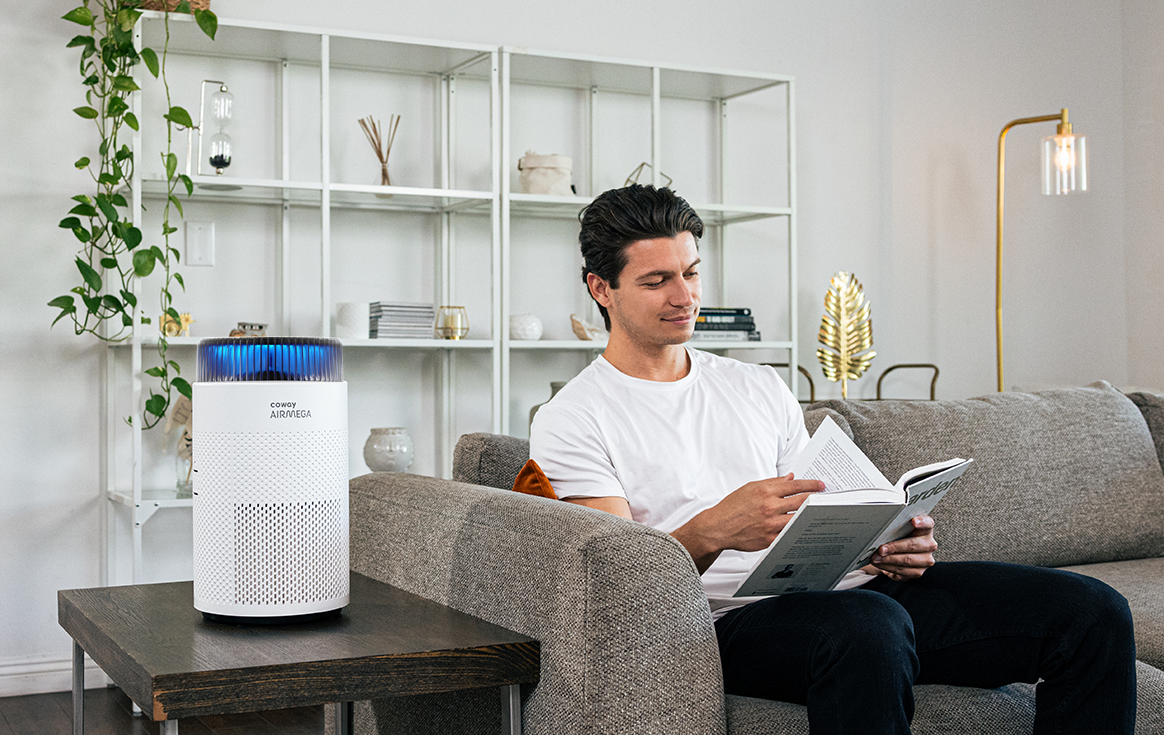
point(672, 449)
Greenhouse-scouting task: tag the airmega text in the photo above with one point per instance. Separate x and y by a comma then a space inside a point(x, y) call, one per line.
point(287, 410)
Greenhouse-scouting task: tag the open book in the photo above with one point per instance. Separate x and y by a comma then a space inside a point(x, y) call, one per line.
point(836, 531)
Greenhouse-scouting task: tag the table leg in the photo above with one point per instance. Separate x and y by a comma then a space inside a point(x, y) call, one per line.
point(78, 689)
point(511, 709)
point(168, 727)
point(345, 716)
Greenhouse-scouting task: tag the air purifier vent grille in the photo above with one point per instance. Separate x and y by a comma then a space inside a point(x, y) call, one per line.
point(289, 548)
point(260, 359)
point(271, 512)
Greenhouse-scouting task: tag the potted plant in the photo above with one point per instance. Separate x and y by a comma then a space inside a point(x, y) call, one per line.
point(113, 250)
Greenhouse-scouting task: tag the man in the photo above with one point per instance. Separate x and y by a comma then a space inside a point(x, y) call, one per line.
point(697, 445)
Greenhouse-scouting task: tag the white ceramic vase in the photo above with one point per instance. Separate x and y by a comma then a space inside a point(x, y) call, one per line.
point(525, 326)
point(388, 450)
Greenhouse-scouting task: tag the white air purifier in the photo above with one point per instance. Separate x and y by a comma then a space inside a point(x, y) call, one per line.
point(270, 480)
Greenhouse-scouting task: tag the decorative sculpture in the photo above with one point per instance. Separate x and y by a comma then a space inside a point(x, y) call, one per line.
point(846, 331)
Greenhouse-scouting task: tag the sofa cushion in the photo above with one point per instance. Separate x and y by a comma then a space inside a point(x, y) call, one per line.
point(1142, 582)
point(492, 460)
point(1151, 407)
point(1060, 477)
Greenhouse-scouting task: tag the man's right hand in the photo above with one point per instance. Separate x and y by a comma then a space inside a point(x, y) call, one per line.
point(746, 520)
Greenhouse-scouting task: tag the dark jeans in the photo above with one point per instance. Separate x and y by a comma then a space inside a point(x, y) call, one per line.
point(853, 656)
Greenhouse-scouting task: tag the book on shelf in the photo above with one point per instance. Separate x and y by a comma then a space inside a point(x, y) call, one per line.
point(836, 531)
point(401, 320)
point(708, 320)
point(741, 326)
point(724, 311)
point(725, 335)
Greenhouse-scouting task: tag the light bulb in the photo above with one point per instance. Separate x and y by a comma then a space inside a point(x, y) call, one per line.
point(1064, 163)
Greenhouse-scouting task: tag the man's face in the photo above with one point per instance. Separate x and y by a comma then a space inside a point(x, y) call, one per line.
point(658, 291)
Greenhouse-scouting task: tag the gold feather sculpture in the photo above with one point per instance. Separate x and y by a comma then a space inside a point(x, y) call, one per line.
point(846, 331)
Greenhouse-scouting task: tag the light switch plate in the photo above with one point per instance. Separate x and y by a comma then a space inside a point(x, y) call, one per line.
point(199, 243)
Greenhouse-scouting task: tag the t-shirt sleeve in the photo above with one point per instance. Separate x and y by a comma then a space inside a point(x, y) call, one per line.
point(791, 424)
point(568, 447)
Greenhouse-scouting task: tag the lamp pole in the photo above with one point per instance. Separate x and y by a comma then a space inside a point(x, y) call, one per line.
point(1064, 129)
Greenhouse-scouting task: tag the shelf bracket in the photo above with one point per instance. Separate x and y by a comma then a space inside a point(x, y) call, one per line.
point(144, 511)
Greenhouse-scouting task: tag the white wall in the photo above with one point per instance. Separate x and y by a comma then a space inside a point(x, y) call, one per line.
point(1144, 178)
point(899, 108)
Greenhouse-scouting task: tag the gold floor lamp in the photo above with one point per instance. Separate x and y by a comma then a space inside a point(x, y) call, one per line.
point(1064, 171)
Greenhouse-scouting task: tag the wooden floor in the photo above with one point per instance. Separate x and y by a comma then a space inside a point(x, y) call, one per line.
point(108, 712)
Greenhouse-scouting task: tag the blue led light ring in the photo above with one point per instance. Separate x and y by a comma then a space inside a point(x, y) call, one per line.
point(269, 359)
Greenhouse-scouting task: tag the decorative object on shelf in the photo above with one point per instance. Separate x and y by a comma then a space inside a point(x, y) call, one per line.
point(452, 322)
point(634, 175)
point(249, 329)
point(584, 330)
point(182, 415)
point(846, 331)
point(388, 450)
point(400, 320)
point(381, 145)
point(110, 258)
point(726, 324)
point(221, 144)
point(352, 320)
point(545, 174)
point(179, 327)
point(525, 327)
point(555, 386)
point(1064, 172)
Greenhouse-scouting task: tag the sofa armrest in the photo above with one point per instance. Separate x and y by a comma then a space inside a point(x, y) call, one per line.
point(627, 642)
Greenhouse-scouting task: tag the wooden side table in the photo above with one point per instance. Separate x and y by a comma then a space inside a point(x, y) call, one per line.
point(153, 644)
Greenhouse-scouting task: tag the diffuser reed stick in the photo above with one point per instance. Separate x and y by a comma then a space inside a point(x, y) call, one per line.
point(373, 131)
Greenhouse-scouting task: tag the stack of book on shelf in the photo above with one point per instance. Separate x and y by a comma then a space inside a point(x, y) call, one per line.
point(729, 325)
point(400, 319)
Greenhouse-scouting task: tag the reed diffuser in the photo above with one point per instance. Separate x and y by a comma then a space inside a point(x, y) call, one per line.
point(382, 146)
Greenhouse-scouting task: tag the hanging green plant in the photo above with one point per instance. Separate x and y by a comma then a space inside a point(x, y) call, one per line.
point(113, 249)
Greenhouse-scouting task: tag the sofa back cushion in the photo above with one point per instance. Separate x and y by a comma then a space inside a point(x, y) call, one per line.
point(1059, 477)
point(494, 460)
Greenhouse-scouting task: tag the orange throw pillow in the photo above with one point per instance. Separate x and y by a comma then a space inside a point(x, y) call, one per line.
point(532, 481)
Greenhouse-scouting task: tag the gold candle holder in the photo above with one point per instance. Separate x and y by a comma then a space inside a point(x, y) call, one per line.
point(452, 322)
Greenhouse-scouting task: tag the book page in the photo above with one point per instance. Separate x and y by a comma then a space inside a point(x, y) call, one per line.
point(816, 550)
point(832, 457)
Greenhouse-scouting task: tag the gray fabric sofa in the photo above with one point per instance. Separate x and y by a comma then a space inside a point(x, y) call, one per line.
point(1070, 479)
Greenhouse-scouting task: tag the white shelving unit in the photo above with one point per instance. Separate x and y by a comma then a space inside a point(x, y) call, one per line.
point(303, 228)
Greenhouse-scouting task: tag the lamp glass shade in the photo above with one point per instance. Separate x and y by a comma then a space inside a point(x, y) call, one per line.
point(1064, 163)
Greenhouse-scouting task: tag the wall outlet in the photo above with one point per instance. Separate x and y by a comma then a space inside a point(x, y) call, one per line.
point(199, 243)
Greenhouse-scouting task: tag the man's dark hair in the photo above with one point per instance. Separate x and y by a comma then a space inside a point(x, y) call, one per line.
point(619, 217)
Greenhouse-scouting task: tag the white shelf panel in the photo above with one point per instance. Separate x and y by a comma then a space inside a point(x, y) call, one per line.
point(246, 39)
point(557, 344)
point(422, 344)
point(536, 66)
point(156, 497)
point(150, 340)
point(220, 189)
point(568, 207)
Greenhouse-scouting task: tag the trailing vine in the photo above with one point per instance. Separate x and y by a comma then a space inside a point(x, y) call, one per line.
point(113, 249)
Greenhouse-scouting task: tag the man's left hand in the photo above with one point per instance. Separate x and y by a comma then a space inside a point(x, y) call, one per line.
point(910, 557)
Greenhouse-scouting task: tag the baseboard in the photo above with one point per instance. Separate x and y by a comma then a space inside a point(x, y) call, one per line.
point(19, 677)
